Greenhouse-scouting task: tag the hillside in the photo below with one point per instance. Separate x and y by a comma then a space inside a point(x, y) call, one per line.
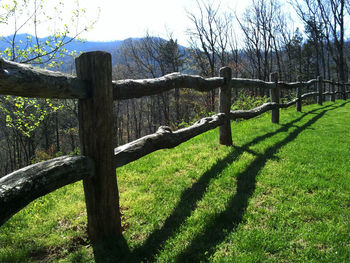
point(281, 194)
point(74, 46)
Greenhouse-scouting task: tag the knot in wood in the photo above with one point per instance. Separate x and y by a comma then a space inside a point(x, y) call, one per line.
point(164, 129)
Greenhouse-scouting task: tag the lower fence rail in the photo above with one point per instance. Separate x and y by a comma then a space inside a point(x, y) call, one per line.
point(23, 186)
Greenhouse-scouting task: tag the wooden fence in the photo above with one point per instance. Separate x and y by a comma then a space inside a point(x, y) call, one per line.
point(95, 90)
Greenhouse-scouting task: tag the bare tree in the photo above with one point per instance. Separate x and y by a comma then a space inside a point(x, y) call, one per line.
point(325, 20)
point(261, 26)
point(149, 57)
point(309, 13)
point(333, 15)
point(209, 40)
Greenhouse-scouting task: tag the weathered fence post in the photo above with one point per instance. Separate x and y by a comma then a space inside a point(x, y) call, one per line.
point(275, 97)
point(320, 90)
point(299, 91)
point(344, 91)
point(96, 138)
point(333, 91)
point(1, 65)
point(225, 136)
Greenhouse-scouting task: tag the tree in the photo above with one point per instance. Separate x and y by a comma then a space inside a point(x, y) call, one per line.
point(33, 15)
point(260, 26)
point(24, 121)
point(308, 12)
point(292, 44)
point(171, 60)
point(325, 19)
point(209, 41)
point(333, 16)
point(149, 57)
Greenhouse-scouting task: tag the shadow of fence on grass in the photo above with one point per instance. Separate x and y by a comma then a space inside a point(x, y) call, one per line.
point(228, 220)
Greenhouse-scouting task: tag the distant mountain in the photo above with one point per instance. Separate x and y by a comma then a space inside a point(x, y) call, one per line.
point(75, 45)
point(79, 46)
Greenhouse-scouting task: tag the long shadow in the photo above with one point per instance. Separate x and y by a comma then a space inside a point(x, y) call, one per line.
point(189, 198)
point(182, 210)
point(204, 244)
point(105, 251)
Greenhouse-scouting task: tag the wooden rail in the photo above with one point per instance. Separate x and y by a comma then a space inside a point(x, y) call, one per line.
point(129, 89)
point(96, 91)
point(19, 188)
point(23, 80)
point(164, 138)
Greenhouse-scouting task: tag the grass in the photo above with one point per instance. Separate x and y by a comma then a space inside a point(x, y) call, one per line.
point(281, 194)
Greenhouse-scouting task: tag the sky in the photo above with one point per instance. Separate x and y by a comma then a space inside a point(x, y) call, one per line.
point(121, 19)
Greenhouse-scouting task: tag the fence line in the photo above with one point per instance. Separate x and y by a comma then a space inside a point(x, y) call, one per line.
point(23, 80)
point(96, 91)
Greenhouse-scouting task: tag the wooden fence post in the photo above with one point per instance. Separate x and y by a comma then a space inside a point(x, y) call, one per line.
point(275, 97)
point(1, 65)
point(344, 91)
point(333, 91)
point(225, 136)
point(96, 139)
point(320, 90)
point(299, 91)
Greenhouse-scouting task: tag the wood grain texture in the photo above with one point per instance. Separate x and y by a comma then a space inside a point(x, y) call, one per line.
point(248, 114)
point(309, 94)
point(275, 98)
point(23, 80)
point(320, 90)
point(288, 104)
point(164, 138)
point(128, 89)
point(225, 135)
point(23, 186)
point(96, 138)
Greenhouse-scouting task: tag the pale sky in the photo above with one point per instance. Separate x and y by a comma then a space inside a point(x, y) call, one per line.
point(121, 19)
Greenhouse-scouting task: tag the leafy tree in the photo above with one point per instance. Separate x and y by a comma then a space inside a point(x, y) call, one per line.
point(36, 15)
point(21, 118)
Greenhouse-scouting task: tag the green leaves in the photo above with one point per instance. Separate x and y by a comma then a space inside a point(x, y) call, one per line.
point(25, 114)
point(34, 16)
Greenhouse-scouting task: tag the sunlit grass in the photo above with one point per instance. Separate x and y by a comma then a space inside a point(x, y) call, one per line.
point(281, 194)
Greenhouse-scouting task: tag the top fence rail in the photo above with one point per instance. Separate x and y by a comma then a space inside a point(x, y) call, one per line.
point(23, 80)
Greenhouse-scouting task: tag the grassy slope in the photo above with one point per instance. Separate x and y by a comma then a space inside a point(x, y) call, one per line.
point(282, 194)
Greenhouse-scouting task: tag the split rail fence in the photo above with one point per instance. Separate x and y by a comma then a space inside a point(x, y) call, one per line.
point(95, 90)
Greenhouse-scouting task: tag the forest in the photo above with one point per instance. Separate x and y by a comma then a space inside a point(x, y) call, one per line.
point(254, 44)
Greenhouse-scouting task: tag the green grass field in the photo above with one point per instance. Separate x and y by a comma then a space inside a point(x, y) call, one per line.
point(281, 194)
